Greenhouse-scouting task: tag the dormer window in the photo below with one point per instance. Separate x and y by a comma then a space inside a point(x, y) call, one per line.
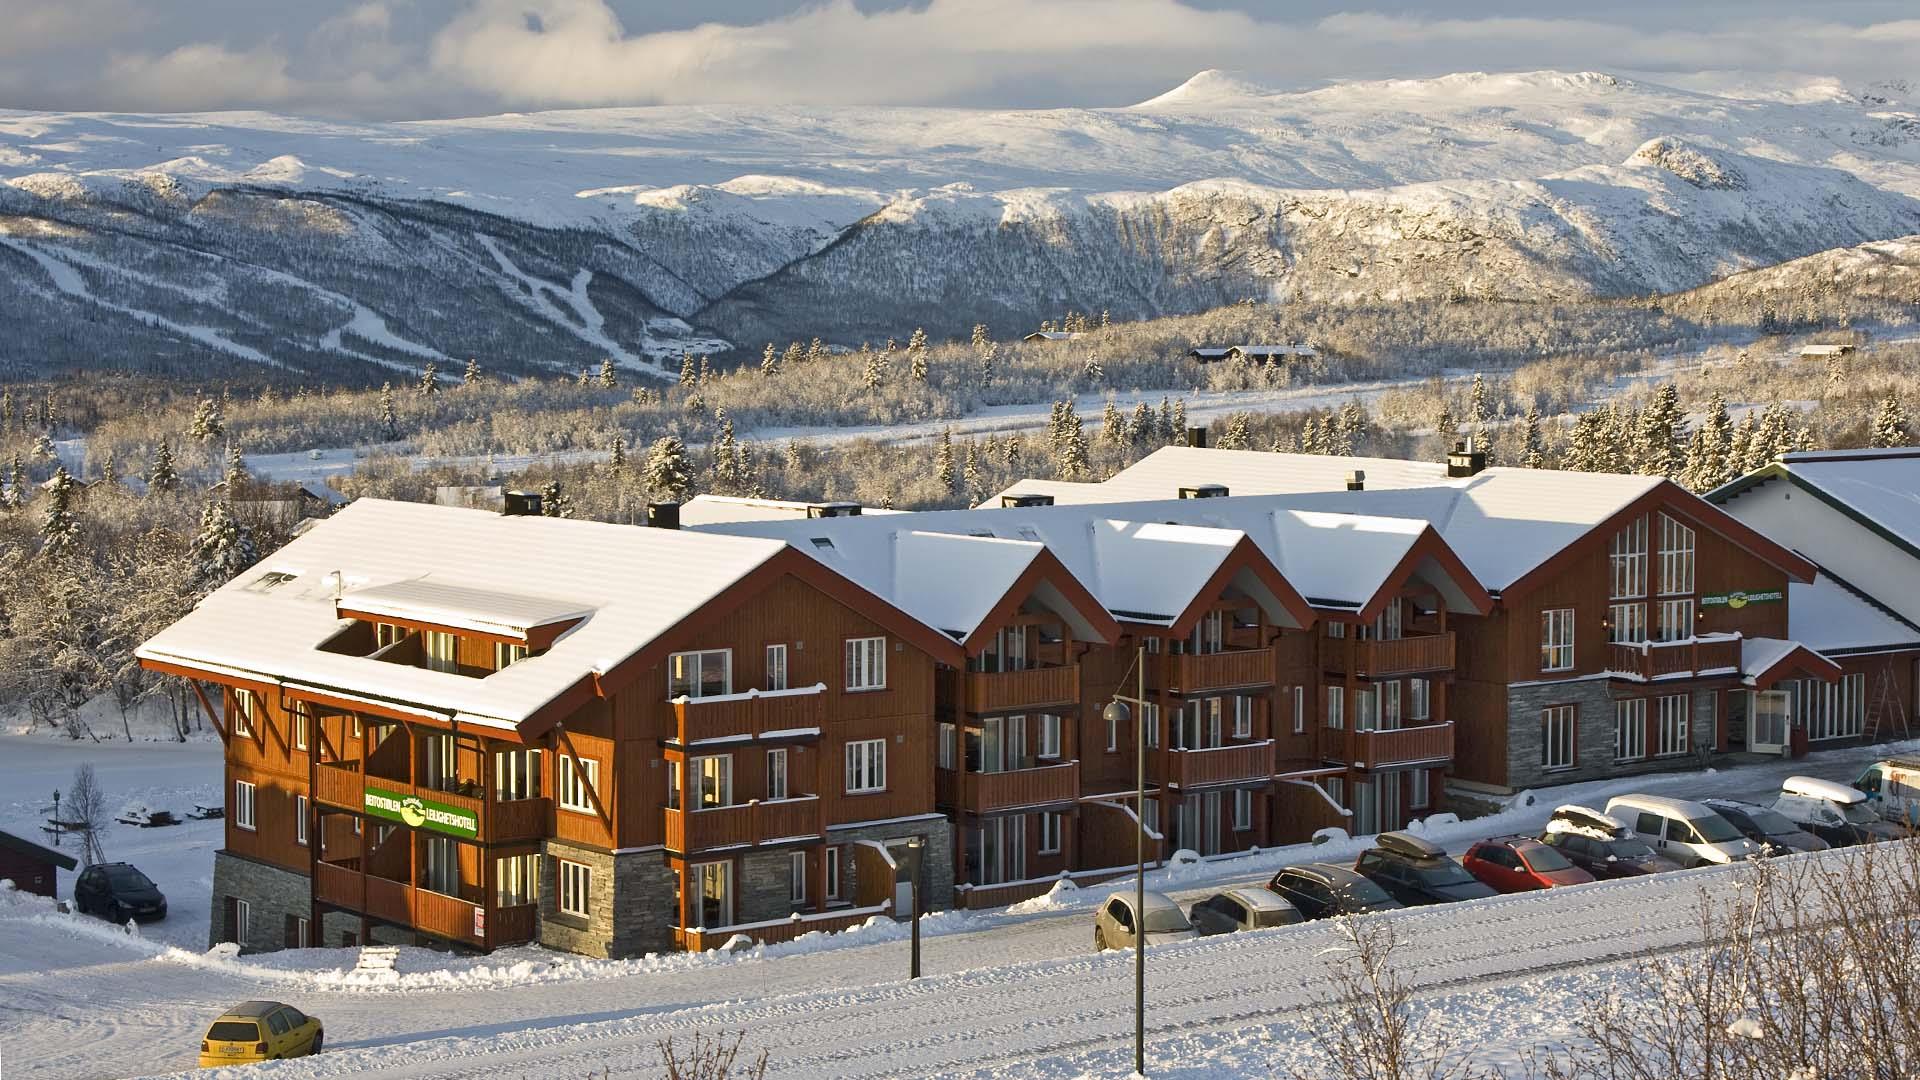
point(700, 674)
point(505, 653)
point(440, 651)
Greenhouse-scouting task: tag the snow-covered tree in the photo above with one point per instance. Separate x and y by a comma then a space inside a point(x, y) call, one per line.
point(236, 476)
point(687, 373)
point(44, 449)
point(1533, 451)
point(617, 455)
point(472, 377)
point(1113, 425)
point(389, 417)
point(988, 357)
point(1237, 435)
point(59, 526)
point(769, 362)
point(917, 355)
point(1142, 428)
point(1891, 426)
point(429, 379)
point(161, 476)
point(873, 373)
point(554, 502)
point(223, 547)
point(667, 473)
point(973, 484)
point(943, 460)
point(207, 424)
point(609, 378)
point(729, 476)
point(1092, 372)
point(1071, 457)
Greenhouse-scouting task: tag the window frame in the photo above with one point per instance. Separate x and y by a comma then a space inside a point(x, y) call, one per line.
point(508, 653)
point(775, 672)
point(1048, 740)
point(245, 805)
point(300, 718)
point(783, 773)
point(1242, 810)
point(568, 776)
point(865, 666)
point(244, 704)
point(1419, 790)
point(833, 872)
point(1679, 557)
point(1299, 710)
point(1627, 561)
point(1550, 715)
point(1420, 700)
point(696, 772)
point(1242, 717)
point(430, 657)
point(1627, 622)
point(797, 878)
point(696, 685)
point(1630, 727)
point(866, 769)
point(300, 805)
point(1674, 625)
point(1051, 831)
point(573, 885)
point(1679, 709)
point(1553, 644)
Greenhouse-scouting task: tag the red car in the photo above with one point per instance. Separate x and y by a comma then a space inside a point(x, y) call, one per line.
point(1521, 864)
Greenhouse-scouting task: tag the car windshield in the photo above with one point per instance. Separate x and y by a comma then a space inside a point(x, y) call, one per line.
point(1545, 860)
point(1273, 917)
point(1629, 847)
point(1166, 921)
point(1439, 873)
point(234, 1031)
point(1859, 814)
point(1771, 823)
point(126, 877)
point(1363, 891)
point(1714, 829)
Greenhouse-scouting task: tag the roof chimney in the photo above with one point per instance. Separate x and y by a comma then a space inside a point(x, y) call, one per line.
point(833, 509)
point(1357, 480)
point(520, 504)
point(1204, 491)
point(1197, 436)
point(1025, 500)
point(1465, 460)
point(663, 515)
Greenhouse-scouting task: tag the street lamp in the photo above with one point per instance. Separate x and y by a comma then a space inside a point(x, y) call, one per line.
point(1117, 712)
point(914, 847)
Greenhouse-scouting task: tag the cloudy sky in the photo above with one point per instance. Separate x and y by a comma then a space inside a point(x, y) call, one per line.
point(422, 58)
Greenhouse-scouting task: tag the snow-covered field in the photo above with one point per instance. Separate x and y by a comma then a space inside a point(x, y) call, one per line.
point(1013, 992)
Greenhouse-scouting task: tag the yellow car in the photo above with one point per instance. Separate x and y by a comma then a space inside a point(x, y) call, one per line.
point(259, 1031)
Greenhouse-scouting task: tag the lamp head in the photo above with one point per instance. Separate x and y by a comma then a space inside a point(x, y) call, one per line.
point(1116, 712)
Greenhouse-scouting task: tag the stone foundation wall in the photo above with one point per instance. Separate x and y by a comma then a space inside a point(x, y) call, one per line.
point(1595, 738)
point(271, 894)
point(630, 905)
point(936, 857)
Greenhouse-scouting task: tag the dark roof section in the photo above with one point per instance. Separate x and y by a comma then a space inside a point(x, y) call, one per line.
point(34, 851)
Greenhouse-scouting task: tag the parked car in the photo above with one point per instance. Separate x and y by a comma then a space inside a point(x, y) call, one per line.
point(1684, 831)
point(1892, 789)
point(1241, 909)
point(1512, 864)
point(117, 892)
point(259, 1031)
point(1772, 831)
point(1416, 872)
point(1833, 812)
point(1320, 890)
point(1113, 925)
point(1601, 844)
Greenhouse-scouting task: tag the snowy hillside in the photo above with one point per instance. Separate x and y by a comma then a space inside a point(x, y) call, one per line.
point(545, 241)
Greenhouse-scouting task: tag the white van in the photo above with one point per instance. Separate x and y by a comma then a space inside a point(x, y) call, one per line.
point(1686, 832)
point(1892, 788)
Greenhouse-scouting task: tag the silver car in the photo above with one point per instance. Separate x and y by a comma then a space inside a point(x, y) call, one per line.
point(1113, 924)
point(1241, 909)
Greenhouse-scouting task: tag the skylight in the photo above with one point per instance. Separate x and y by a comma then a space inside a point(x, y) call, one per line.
point(824, 543)
point(269, 581)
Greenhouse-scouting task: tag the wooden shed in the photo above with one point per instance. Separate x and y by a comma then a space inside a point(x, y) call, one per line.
point(29, 866)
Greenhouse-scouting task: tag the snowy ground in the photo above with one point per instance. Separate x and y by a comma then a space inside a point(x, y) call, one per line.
point(1013, 992)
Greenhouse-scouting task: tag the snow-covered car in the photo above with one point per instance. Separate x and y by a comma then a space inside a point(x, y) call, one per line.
point(145, 816)
point(1241, 909)
point(1833, 812)
point(1114, 923)
point(1601, 844)
point(1682, 830)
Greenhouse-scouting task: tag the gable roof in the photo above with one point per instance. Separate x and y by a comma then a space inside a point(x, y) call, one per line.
point(32, 850)
point(1878, 488)
point(1832, 616)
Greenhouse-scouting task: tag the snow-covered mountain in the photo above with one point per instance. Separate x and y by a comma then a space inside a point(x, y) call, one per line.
point(545, 241)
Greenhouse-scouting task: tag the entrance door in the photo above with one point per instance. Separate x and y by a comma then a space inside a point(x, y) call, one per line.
point(1767, 716)
point(716, 893)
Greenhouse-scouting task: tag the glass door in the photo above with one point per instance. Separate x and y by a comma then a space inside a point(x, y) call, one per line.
point(716, 893)
point(1767, 722)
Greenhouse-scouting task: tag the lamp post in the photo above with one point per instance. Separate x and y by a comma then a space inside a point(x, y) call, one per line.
point(914, 848)
point(1117, 712)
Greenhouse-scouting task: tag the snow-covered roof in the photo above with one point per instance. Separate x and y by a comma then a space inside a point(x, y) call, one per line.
point(1881, 486)
point(1502, 522)
point(719, 509)
point(1221, 352)
point(462, 606)
point(631, 585)
point(1830, 616)
point(1759, 656)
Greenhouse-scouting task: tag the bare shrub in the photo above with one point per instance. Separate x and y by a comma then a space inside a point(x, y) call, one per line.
point(711, 1057)
point(86, 807)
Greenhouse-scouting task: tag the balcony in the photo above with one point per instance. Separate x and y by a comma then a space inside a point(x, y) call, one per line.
point(496, 821)
point(1220, 765)
point(987, 793)
point(1388, 749)
point(1647, 661)
point(1037, 688)
point(756, 714)
point(747, 824)
point(429, 912)
point(1414, 655)
point(1205, 673)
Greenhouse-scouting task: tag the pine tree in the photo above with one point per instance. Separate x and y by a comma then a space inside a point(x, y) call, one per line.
point(1180, 421)
point(1709, 461)
point(943, 460)
point(728, 475)
point(584, 379)
point(1891, 427)
point(971, 480)
point(1586, 450)
point(1533, 453)
point(816, 351)
point(44, 449)
point(1071, 462)
point(109, 473)
point(793, 463)
point(1237, 435)
point(7, 410)
point(608, 377)
point(795, 355)
point(1740, 448)
point(59, 527)
point(15, 495)
point(389, 418)
point(223, 547)
point(686, 370)
point(917, 354)
point(1113, 425)
point(236, 469)
point(472, 377)
point(980, 338)
point(554, 502)
point(1010, 455)
point(667, 474)
point(873, 373)
point(162, 476)
point(617, 455)
point(429, 379)
point(1164, 427)
point(1478, 402)
point(1140, 429)
point(1444, 426)
point(769, 362)
point(706, 370)
point(987, 358)
point(1354, 424)
point(207, 424)
point(1094, 374)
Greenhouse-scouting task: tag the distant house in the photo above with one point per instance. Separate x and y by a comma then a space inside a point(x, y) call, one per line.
point(1824, 352)
point(29, 866)
point(1053, 335)
point(1266, 354)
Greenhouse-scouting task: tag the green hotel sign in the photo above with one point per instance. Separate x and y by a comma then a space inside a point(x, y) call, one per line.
point(418, 813)
point(1737, 599)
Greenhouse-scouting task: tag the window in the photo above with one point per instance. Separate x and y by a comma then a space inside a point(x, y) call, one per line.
point(866, 663)
point(385, 634)
point(1556, 737)
point(1150, 716)
point(357, 732)
point(1049, 735)
point(1242, 810)
point(950, 744)
point(300, 820)
point(866, 766)
point(797, 878)
point(1556, 639)
point(506, 653)
point(1676, 557)
point(579, 783)
point(301, 719)
point(1336, 629)
point(1630, 729)
point(1676, 619)
point(776, 774)
point(440, 650)
point(443, 865)
point(516, 880)
point(1419, 699)
point(301, 936)
point(576, 886)
point(777, 669)
point(244, 715)
point(1336, 707)
point(713, 779)
point(242, 919)
point(1628, 556)
point(673, 784)
point(1366, 709)
point(516, 774)
point(1675, 713)
point(1337, 790)
point(1627, 623)
point(1390, 706)
point(1049, 834)
point(243, 804)
point(833, 873)
point(1299, 710)
point(1835, 711)
point(700, 674)
point(1242, 718)
point(1419, 789)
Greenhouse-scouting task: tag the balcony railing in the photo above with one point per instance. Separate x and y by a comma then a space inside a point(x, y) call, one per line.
point(1386, 749)
point(430, 912)
point(1387, 659)
point(1236, 763)
point(1201, 673)
point(986, 793)
point(1648, 660)
point(754, 714)
point(504, 820)
point(744, 825)
point(1010, 691)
